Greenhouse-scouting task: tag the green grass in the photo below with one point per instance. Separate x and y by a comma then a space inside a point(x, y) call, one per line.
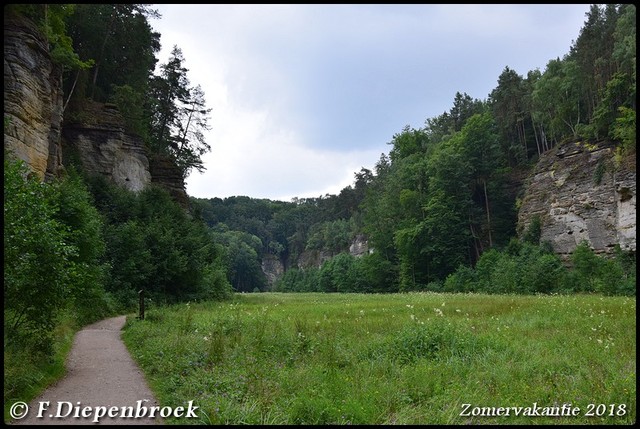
point(416, 358)
point(27, 375)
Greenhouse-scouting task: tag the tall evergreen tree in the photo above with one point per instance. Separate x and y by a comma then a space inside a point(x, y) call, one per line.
point(180, 116)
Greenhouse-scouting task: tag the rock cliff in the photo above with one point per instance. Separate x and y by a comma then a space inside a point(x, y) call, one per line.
point(94, 136)
point(102, 146)
point(33, 104)
point(166, 173)
point(272, 268)
point(581, 192)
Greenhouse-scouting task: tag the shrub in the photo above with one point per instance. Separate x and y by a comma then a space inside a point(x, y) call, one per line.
point(37, 259)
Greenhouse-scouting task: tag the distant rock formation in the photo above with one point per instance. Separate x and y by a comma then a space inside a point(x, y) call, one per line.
point(272, 268)
point(580, 192)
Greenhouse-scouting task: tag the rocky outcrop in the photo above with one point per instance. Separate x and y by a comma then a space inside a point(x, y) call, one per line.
point(166, 173)
point(272, 268)
point(33, 99)
point(580, 192)
point(359, 246)
point(94, 135)
point(315, 258)
point(98, 140)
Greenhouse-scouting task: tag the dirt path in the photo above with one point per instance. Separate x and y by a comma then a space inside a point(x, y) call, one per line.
point(101, 374)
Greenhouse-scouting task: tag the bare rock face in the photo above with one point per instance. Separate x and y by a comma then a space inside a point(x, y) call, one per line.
point(580, 192)
point(272, 268)
point(97, 138)
point(313, 258)
point(166, 173)
point(316, 258)
point(33, 98)
point(359, 246)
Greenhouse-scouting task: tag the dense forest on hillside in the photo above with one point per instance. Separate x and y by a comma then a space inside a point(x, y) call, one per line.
point(439, 210)
point(449, 192)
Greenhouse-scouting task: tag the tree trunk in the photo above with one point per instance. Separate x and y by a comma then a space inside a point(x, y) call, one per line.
point(73, 87)
point(99, 58)
point(486, 200)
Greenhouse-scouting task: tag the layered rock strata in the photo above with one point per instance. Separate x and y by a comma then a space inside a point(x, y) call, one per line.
point(582, 192)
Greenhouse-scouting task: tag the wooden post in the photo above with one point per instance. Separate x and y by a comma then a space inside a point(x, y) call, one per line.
point(141, 295)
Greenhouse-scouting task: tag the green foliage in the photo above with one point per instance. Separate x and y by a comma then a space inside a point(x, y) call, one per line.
point(525, 268)
point(433, 340)
point(241, 257)
point(54, 275)
point(464, 279)
point(335, 236)
point(607, 275)
point(120, 40)
point(179, 116)
point(624, 129)
point(52, 18)
point(84, 231)
point(38, 266)
point(599, 172)
point(176, 257)
point(130, 103)
point(533, 231)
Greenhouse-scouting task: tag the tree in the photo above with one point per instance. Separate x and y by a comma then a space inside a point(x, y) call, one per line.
point(480, 146)
point(37, 259)
point(120, 40)
point(556, 99)
point(179, 115)
point(508, 106)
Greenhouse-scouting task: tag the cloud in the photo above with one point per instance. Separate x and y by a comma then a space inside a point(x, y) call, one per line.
point(303, 96)
point(262, 160)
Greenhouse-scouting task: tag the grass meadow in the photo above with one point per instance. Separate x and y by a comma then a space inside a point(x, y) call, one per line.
point(413, 358)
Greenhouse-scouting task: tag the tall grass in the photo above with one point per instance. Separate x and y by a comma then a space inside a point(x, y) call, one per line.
point(415, 358)
point(27, 374)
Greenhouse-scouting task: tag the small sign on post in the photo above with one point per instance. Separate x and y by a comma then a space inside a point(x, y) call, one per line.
point(141, 295)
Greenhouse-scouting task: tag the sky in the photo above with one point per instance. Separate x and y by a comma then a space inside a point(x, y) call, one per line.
point(305, 95)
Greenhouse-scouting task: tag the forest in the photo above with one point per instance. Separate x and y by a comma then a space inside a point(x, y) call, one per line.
point(438, 211)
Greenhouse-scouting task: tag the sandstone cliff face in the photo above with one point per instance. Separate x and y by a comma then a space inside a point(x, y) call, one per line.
point(165, 173)
point(96, 137)
point(272, 268)
point(359, 246)
point(32, 98)
point(581, 193)
point(101, 144)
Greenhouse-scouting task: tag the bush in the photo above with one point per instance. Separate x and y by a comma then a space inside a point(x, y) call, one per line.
point(37, 259)
point(465, 279)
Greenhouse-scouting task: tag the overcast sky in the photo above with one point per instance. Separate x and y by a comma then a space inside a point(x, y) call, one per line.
point(304, 96)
